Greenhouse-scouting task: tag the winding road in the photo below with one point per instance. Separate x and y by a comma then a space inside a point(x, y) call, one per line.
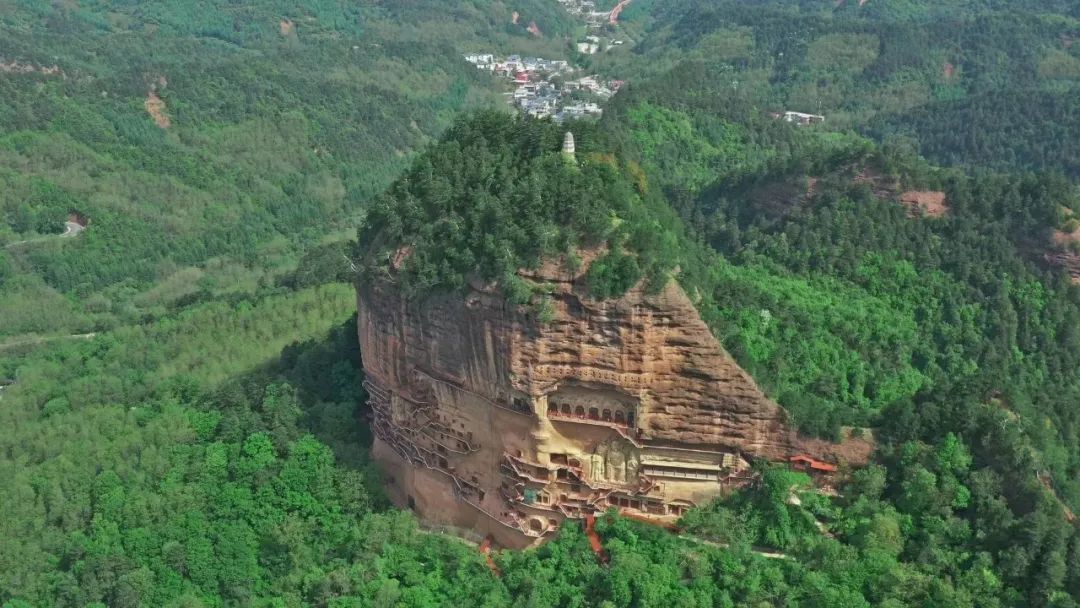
point(42, 339)
point(613, 16)
point(71, 229)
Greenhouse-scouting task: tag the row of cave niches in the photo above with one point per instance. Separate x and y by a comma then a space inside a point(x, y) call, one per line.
point(613, 416)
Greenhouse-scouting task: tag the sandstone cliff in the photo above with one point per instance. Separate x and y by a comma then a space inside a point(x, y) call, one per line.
point(487, 419)
point(652, 347)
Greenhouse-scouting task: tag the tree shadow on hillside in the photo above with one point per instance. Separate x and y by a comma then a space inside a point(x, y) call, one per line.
point(313, 386)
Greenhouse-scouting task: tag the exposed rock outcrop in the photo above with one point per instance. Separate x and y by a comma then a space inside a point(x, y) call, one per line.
point(487, 418)
point(15, 67)
point(1064, 252)
point(155, 107)
point(924, 203)
point(652, 346)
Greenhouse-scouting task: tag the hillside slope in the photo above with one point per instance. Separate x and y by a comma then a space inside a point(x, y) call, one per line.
point(209, 144)
point(847, 304)
point(976, 83)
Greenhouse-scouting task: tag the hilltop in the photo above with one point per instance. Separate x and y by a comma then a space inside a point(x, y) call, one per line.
point(496, 195)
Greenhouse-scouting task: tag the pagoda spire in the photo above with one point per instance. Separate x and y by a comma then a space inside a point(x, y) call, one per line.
point(568, 146)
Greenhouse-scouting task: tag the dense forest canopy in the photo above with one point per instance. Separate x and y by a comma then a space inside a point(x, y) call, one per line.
point(180, 391)
point(498, 194)
point(274, 122)
point(974, 83)
point(849, 310)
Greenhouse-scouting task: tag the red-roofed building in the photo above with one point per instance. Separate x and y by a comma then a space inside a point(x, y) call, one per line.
point(802, 462)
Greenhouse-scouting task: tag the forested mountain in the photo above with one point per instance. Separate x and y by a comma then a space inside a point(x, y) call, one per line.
point(973, 83)
point(498, 195)
point(1012, 128)
point(936, 331)
point(811, 201)
point(206, 445)
point(208, 143)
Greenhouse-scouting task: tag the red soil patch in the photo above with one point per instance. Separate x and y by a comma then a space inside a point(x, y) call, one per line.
point(594, 539)
point(155, 107)
point(485, 550)
point(1065, 239)
point(559, 268)
point(919, 203)
point(286, 27)
point(515, 17)
point(1063, 252)
point(851, 452)
point(924, 202)
point(948, 70)
point(534, 30)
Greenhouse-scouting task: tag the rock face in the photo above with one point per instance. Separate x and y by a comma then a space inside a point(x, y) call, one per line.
point(924, 203)
point(1063, 252)
point(487, 419)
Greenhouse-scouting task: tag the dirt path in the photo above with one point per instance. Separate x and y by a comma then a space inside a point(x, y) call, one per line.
point(1048, 483)
point(485, 550)
point(762, 551)
point(613, 17)
point(71, 229)
point(594, 539)
point(674, 529)
point(44, 339)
